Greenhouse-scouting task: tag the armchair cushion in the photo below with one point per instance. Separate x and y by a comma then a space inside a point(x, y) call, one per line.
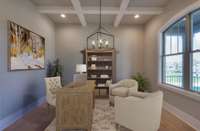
point(122, 88)
point(128, 83)
point(120, 91)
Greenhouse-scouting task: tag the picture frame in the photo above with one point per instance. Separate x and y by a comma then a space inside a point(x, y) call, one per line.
point(26, 49)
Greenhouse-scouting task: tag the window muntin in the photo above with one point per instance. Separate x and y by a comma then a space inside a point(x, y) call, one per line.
point(195, 18)
point(174, 41)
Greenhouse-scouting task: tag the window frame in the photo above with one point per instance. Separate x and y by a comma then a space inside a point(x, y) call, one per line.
point(163, 56)
point(187, 54)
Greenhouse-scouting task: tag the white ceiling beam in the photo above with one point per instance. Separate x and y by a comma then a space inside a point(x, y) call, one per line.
point(105, 10)
point(144, 10)
point(55, 10)
point(123, 6)
point(77, 6)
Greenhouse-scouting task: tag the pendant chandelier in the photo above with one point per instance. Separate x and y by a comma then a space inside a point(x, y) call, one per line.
point(101, 39)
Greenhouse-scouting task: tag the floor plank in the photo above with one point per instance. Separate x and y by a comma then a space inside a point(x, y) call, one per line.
point(169, 122)
point(39, 118)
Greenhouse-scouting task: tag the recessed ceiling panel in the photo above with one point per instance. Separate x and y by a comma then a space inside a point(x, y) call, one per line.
point(70, 19)
point(52, 2)
point(148, 3)
point(129, 19)
point(105, 3)
point(94, 19)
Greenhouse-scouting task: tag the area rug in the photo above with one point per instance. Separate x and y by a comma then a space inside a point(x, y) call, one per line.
point(103, 118)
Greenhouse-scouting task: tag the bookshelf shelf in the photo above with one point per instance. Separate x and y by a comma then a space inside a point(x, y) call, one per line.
point(99, 78)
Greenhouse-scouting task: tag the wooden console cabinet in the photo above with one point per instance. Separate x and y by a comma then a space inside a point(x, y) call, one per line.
point(74, 106)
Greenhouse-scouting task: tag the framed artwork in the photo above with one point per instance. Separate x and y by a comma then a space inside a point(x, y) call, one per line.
point(26, 49)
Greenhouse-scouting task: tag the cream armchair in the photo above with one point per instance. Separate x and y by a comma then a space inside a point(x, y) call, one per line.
point(52, 83)
point(141, 113)
point(122, 89)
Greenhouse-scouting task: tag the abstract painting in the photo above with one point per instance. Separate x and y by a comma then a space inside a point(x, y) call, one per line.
point(26, 49)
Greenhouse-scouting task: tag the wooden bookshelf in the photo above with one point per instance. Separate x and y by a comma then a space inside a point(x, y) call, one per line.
point(101, 67)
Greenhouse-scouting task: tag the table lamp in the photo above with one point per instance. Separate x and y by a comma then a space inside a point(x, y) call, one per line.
point(81, 75)
point(81, 68)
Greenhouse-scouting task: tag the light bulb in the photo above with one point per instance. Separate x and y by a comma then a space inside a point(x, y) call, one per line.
point(137, 16)
point(93, 42)
point(106, 43)
point(63, 15)
point(100, 41)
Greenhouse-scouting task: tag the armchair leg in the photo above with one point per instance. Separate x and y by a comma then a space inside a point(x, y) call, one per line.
point(117, 126)
point(111, 104)
point(48, 108)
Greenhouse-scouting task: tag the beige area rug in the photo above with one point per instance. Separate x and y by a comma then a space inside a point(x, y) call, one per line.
point(103, 118)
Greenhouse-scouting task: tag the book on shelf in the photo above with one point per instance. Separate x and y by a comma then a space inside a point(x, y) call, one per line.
point(101, 85)
point(93, 76)
point(94, 67)
point(104, 76)
point(100, 58)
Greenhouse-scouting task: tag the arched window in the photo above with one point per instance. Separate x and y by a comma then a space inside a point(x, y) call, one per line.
point(181, 53)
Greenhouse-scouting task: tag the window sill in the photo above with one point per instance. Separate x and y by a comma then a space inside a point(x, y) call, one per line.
point(192, 95)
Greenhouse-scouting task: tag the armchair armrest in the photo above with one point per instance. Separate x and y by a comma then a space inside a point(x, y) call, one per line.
point(112, 86)
point(138, 94)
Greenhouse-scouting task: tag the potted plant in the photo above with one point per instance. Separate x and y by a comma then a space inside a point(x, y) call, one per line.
point(54, 69)
point(143, 83)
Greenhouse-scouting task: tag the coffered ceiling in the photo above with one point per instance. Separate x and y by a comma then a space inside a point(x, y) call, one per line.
point(114, 12)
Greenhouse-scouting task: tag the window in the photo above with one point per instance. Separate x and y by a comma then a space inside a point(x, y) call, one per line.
point(173, 51)
point(181, 53)
point(195, 51)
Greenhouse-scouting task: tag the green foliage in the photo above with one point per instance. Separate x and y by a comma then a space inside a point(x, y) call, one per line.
point(54, 69)
point(143, 82)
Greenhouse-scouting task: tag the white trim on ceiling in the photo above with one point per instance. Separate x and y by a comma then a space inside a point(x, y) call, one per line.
point(80, 11)
point(105, 10)
point(123, 6)
point(77, 6)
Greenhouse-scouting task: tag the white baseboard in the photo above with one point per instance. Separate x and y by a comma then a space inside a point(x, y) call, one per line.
point(19, 114)
point(190, 120)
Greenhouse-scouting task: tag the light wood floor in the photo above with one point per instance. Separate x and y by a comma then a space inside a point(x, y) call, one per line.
point(39, 118)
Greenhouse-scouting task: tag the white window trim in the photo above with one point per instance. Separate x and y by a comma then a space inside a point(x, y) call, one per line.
point(187, 10)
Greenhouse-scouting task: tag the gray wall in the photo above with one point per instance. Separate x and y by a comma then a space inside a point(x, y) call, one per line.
point(71, 39)
point(18, 89)
point(151, 56)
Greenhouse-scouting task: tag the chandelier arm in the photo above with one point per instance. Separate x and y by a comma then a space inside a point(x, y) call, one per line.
point(103, 28)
